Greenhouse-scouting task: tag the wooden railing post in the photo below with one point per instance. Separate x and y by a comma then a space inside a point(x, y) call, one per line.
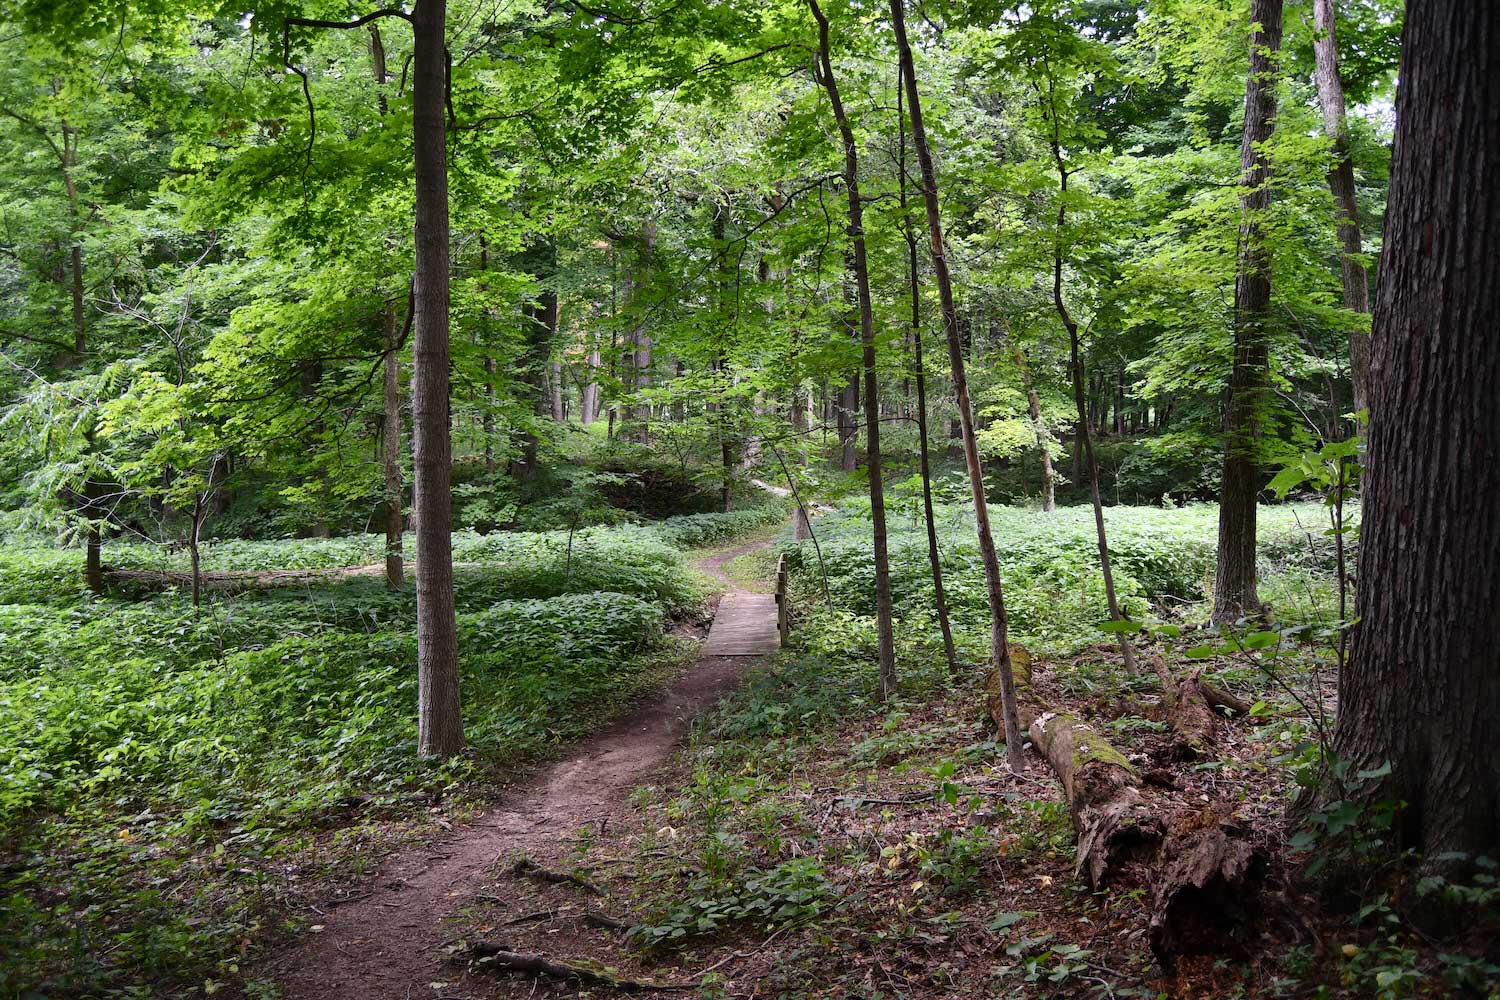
point(783, 615)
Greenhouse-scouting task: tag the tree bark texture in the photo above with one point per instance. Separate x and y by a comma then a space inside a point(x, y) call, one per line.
point(883, 613)
point(1235, 593)
point(1422, 691)
point(1341, 182)
point(999, 646)
point(439, 720)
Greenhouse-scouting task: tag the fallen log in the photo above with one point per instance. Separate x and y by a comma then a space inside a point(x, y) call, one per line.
point(1111, 820)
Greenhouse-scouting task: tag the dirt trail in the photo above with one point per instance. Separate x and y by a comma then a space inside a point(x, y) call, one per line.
point(389, 943)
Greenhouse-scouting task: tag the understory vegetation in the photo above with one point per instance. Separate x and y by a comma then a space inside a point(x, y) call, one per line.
point(174, 776)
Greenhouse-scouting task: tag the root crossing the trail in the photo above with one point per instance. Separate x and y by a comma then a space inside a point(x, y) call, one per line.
point(390, 942)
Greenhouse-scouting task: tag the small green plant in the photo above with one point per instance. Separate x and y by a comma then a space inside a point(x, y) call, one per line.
point(791, 891)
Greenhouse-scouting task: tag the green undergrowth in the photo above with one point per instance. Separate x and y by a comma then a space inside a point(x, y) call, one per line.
point(765, 831)
point(1054, 593)
point(165, 767)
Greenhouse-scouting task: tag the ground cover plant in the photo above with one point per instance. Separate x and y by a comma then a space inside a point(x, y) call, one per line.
point(1163, 561)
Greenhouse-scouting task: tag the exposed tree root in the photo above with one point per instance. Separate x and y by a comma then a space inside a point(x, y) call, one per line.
point(525, 867)
point(499, 956)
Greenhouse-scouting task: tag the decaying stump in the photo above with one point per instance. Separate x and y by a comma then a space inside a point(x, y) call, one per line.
point(1188, 709)
point(1205, 886)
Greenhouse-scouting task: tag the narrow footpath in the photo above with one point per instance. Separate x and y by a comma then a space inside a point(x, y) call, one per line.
point(389, 943)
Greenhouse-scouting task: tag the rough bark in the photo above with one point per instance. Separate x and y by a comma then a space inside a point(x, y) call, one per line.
point(439, 720)
point(1204, 888)
point(1189, 709)
point(999, 647)
point(1341, 182)
point(1235, 593)
point(883, 613)
point(1422, 691)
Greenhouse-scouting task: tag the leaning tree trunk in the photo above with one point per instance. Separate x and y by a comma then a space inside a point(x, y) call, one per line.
point(1234, 579)
point(999, 647)
point(884, 629)
point(439, 720)
point(1341, 183)
point(1422, 691)
point(934, 557)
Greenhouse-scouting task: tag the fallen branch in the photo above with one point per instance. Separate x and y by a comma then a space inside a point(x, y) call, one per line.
point(525, 867)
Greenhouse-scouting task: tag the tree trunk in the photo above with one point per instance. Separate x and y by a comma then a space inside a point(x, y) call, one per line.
point(1034, 410)
point(639, 415)
point(884, 627)
point(1085, 439)
point(588, 404)
point(1341, 183)
point(999, 648)
point(848, 424)
point(1422, 691)
point(934, 557)
point(1234, 579)
point(439, 719)
point(395, 573)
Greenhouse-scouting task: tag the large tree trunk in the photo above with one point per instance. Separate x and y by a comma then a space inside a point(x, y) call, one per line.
point(1234, 579)
point(395, 573)
point(934, 557)
point(1341, 183)
point(999, 647)
point(1422, 691)
point(439, 720)
point(884, 628)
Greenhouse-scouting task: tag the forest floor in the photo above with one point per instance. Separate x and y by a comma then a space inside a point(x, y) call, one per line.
point(390, 939)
